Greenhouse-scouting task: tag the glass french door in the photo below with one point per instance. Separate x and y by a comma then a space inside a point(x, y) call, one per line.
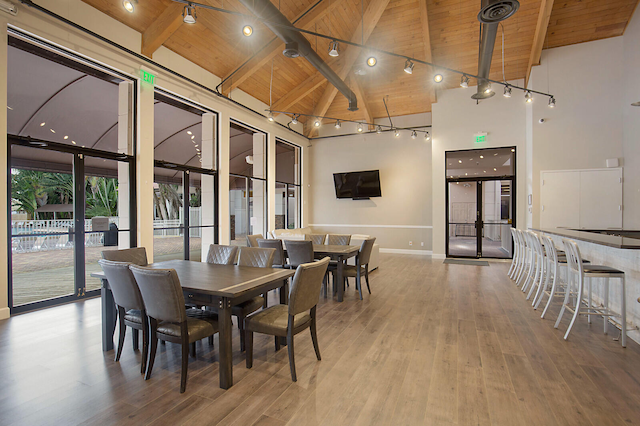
point(479, 215)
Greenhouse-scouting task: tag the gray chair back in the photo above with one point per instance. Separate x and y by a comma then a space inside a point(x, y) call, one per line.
point(136, 255)
point(123, 285)
point(256, 257)
point(299, 252)
point(278, 258)
point(222, 255)
point(161, 293)
point(306, 285)
point(316, 238)
point(339, 239)
point(252, 240)
point(365, 250)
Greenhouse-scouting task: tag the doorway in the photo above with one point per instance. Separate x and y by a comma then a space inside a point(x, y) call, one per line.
point(480, 194)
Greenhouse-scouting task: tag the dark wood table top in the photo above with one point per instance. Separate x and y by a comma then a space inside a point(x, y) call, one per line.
point(595, 238)
point(218, 280)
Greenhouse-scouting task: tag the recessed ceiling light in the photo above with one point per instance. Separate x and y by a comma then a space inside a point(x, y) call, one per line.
point(466, 174)
point(193, 136)
point(513, 150)
point(189, 132)
point(495, 154)
point(460, 161)
point(372, 61)
point(73, 142)
point(65, 138)
point(42, 124)
point(438, 78)
point(495, 170)
point(482, 156)
point(247, 30)
point(129, 5)
point(52, 131)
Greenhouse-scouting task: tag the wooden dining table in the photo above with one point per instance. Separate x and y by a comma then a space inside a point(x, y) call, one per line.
point(222, 286)
point(339, 253)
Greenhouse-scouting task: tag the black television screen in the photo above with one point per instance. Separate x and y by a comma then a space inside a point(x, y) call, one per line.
point(358, 185)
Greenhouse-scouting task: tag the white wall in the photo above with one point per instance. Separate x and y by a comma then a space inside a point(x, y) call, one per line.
point(403, 213)
point(456, 118)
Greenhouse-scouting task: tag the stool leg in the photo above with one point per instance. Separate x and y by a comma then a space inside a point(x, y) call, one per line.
point(540, 293)
point(589, 304)
point(566, 300)
point(606, 304)
point(553, 290)
point(623, 305)
point(576, 310)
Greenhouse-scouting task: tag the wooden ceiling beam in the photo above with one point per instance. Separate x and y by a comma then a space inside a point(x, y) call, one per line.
point(361, 34)
point(301, 91)
point(426, 40)
point(362, 101)
point(539, 36)
point(305, 20)
point(162, 28)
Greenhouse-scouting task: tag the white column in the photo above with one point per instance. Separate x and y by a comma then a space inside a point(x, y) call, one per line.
point(271, 182)
point(207, 184)
point(223, 179)
point(125, 142)
point(4, 218)
point(144, 168)
point(257, 217)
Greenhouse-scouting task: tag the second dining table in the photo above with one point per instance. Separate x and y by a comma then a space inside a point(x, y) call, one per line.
point(207, 284)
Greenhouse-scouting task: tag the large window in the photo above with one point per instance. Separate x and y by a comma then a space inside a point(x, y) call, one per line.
point(185, 180)
point(288, 206)
point(71, 170)
point(247, 183)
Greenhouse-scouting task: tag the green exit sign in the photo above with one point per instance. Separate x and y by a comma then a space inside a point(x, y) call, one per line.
point(481, 138)
point(147, 77)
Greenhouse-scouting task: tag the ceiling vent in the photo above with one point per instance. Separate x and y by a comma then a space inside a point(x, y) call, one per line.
point(498, 11)
point(291, 50)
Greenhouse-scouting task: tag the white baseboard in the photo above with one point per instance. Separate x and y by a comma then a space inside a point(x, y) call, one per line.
point(439, 256)
point(403, 251)
point(4, 313)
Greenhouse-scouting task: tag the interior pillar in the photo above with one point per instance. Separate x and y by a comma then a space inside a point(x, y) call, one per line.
point(207, 185)
point(4, 196)
point(223, 179)
point(125, 142)
point(258, 222)
point(144, 168)
point(271, 182)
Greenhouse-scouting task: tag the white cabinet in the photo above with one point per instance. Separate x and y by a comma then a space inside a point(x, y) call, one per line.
point(581, 199)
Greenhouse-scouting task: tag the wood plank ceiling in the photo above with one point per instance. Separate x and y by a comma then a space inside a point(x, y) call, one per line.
point(406, 27)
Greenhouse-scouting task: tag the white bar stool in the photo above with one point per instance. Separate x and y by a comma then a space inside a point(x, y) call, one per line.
point(523, 257)
point(578, 272)
point(539, 277)
point(516, 254)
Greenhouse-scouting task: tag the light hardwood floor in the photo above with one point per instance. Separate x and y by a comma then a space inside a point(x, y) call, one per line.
point(434, 344)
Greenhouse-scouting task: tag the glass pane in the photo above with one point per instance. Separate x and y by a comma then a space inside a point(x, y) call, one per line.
point(106, 212)
point(462, 219)
point(287, 163)
point(281, 205)
point(168, 222)
point(42, 242)
point(247, 152)
point(293, 207)
point(258, 206)
point(496, 216)
point(480, 163)
point(238, 210)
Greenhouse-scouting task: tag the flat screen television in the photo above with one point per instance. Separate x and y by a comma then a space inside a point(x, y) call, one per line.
point(358, 185)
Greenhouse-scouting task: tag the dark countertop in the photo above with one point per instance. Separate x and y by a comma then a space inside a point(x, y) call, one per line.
point(595, 238)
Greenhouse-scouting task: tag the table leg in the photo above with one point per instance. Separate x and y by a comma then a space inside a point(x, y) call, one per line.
point(358, 275)
point(109, 314)
point(226, 352)
point(340, 278)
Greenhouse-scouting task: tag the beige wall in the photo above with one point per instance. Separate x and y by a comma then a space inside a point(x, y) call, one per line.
point(403, 213)
point(54, 31)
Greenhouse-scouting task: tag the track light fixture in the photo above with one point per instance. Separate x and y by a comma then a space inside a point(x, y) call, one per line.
point(414, 134)
point(270, 116)
point(408, 66)
point(129, 5)
point(360, 128)
point(427, 136)
point(397, 133)
point(552, 102)
point(334, 49)
point(464, 81)
point(528, 97)
point(316, 123)
point(338, 124)
point(247, 30)
point(438, 78)
point(378, 129)
point(189, 14)
point(294, 120)
point(372, 61)
point(507, 91)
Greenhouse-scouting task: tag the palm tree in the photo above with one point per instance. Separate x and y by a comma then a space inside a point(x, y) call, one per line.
point(102, 196)
point(27, 191)
point(167, 201)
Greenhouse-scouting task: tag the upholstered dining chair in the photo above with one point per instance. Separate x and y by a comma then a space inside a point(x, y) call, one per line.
point(162, 295)
point(278, 258)
point(137, 256)
point(299, 252)
point(289, 320)
point(316, 238)
point(252, 240)
point(339, 239)
point(131, 311)
point(222, 255)
point(364, 256)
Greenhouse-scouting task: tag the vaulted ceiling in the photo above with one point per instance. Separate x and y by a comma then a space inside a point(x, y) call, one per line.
point(444, 32)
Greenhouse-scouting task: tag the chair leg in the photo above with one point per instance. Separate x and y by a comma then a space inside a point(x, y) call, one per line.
point(314, 333)
point(277, 340)
point(153, 346)
point(135, 338)
point(366, 277)
point(123, 331)
point(623, 308)
point(248, 340)
point(145, 343)
point(242, 335)
point(292, 361)
point(359, 287)
point(193, 349)
point(185, 363)
point(211, 340)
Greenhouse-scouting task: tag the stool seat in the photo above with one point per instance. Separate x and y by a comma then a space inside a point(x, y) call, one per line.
point(601, 269)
